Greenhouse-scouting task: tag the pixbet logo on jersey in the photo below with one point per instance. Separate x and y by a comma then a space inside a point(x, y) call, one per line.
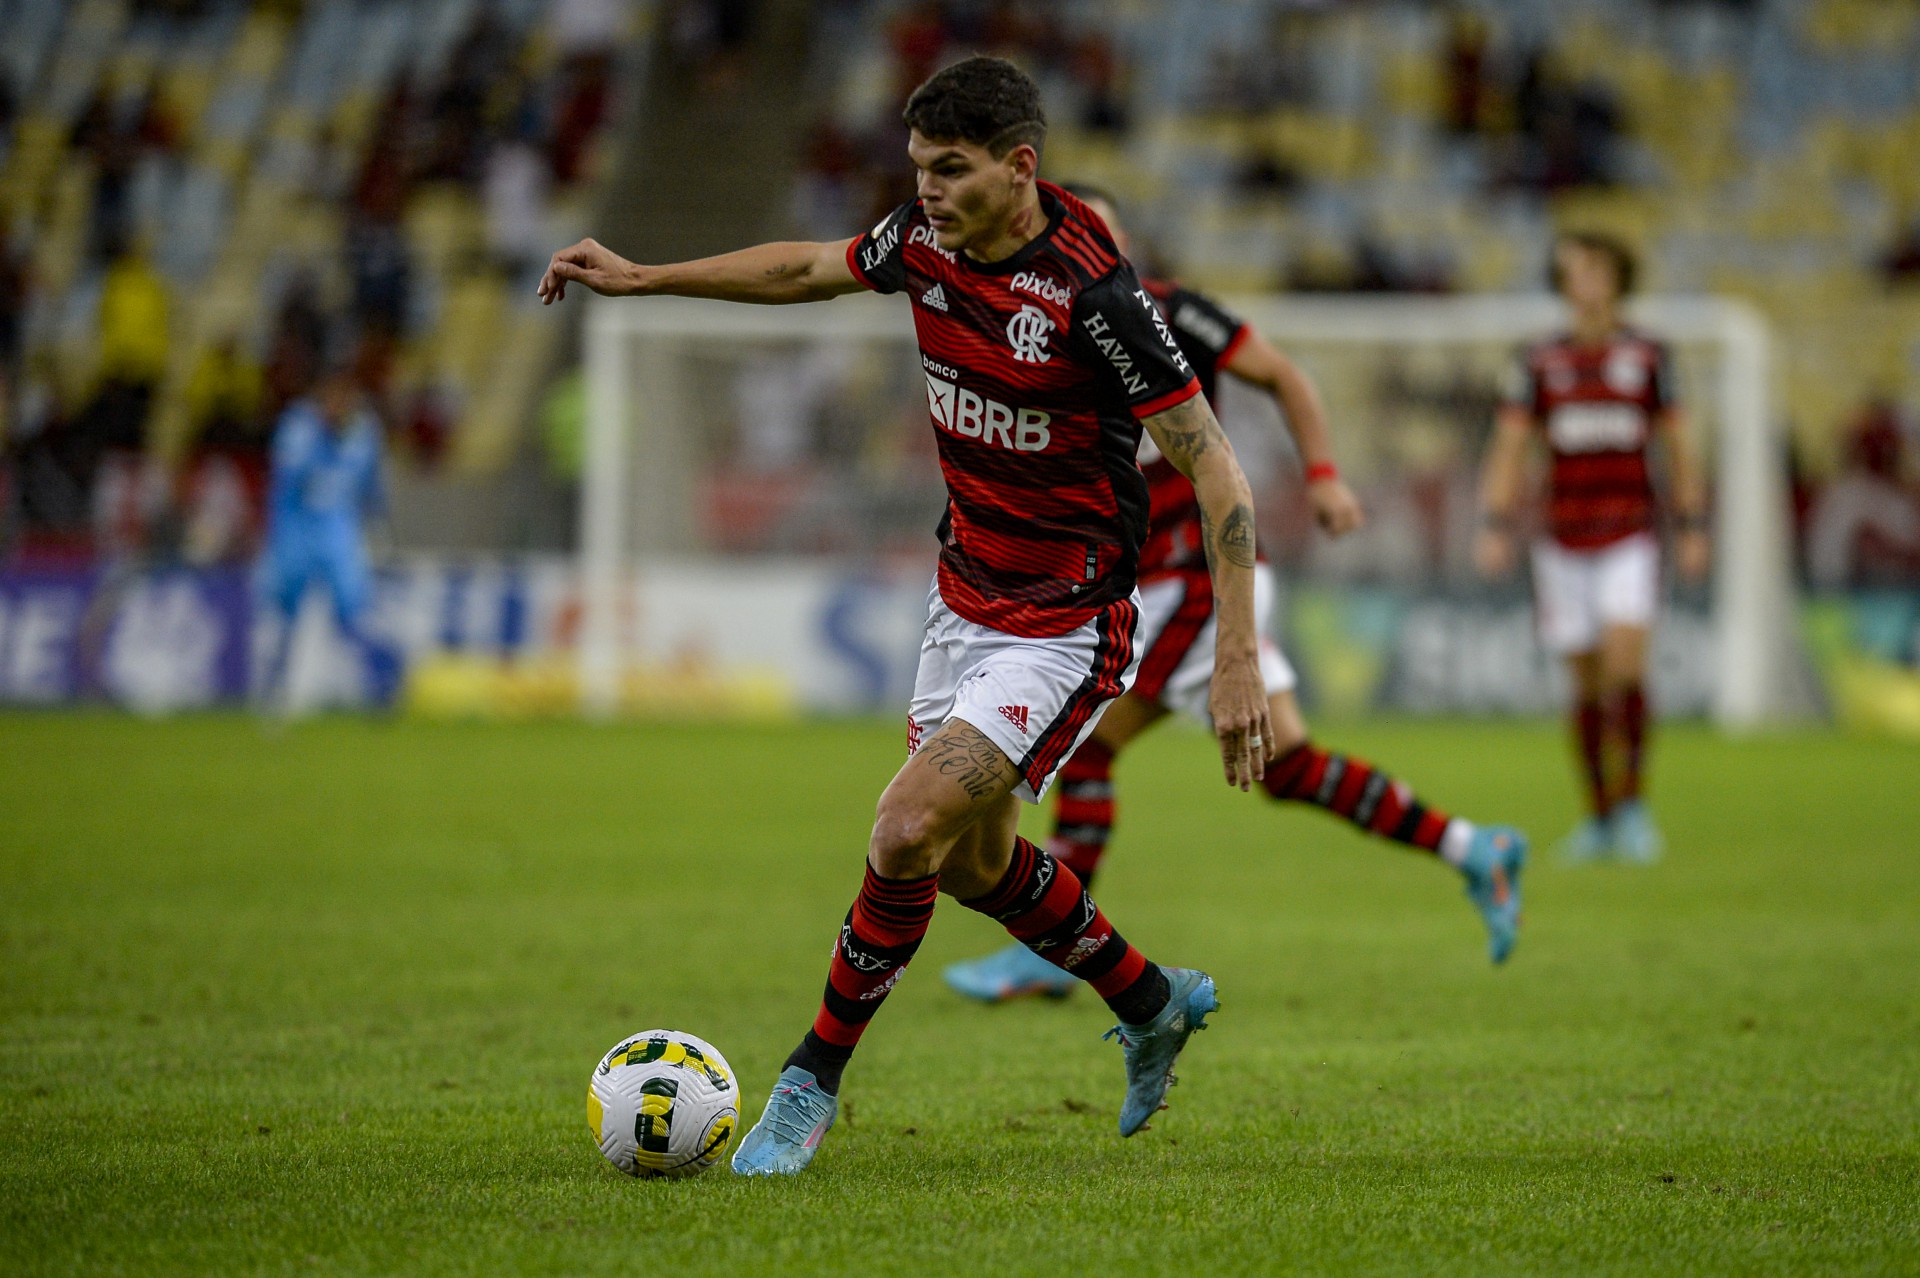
point(971, 416)
point(1042, 287)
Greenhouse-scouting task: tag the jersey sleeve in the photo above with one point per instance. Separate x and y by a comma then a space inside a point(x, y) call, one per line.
point(1129, 346)
point(878, 259)
point(1520, 385)
point(1661, 392)
point(1202, 324)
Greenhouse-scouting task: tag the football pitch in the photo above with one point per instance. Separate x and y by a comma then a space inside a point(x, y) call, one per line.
point(327, 1003)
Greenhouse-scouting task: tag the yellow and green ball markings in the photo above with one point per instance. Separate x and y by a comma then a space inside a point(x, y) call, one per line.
point(651, 1126)
point(596, 1115)
point(717, 1137)
point(644, 1051)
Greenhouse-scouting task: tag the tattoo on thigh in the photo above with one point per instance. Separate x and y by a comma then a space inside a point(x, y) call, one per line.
point(961, 751)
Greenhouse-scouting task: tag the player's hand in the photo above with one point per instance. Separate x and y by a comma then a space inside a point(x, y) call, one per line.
point(1693, 554)
point(590, 263)
point(1335, 508)
point(1241, 720)
point(1493, 553)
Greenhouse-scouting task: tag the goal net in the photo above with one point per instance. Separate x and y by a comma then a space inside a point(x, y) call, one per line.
point(761, 488)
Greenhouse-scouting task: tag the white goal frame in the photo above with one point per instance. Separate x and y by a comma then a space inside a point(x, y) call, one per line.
point(1753, 586)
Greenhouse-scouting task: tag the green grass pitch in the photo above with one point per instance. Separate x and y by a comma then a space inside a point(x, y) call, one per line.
point(327, 1003)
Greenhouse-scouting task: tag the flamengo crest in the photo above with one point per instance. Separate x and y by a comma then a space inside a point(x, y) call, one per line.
point(1028, 332)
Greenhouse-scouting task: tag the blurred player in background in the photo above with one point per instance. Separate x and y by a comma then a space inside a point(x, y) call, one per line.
point(325, 483)
point(1599, 395)
point(1044, 360)
point(1176, 637)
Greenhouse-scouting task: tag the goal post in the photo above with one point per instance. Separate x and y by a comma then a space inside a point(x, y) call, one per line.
point(657, 374)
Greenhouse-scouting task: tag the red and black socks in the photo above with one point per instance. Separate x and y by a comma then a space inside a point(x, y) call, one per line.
point(1630, 720)
point(1590, 735)
point(1042, 903)
point(883, 929)
point(1083, 820)
point(1355, 789)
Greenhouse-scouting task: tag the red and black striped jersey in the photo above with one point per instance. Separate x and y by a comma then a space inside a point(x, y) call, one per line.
point(1039, 368)
point(1596, 404)
point(1208, 335)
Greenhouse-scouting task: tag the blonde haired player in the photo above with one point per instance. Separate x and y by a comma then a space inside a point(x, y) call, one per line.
point(1599, 395)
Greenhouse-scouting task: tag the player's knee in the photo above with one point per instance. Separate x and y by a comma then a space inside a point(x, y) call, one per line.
point(906, 840)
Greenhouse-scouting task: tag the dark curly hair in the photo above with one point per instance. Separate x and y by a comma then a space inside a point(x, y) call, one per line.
point(1626, 267)
point(986, 101)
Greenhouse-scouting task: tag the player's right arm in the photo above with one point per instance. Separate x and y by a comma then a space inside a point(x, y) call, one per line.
point(770, 274)
point(1501, 476)
point(1260, 363)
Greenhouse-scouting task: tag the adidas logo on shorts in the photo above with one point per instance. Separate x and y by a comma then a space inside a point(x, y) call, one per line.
point(1016, 715)
point(934, 298)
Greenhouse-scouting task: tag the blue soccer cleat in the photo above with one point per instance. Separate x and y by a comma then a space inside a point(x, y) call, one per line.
point(1008, 973)
point(1151, 1049)
point(797, 1116)
point(1494, 861)
point(1591, 840)
point(1635, 837)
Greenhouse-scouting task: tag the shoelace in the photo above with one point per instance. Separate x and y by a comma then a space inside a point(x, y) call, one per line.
point(779, 1116)
point(1125, 1041)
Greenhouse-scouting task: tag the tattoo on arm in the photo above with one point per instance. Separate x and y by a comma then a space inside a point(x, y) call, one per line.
point(961, 751)
point(1236, 536)
point(1187, 432)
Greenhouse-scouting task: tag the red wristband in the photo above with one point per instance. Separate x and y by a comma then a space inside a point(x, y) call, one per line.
point(1322, 470)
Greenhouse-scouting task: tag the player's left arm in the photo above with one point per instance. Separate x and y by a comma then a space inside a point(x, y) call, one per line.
point(1693, 548)
point(1190, 437)
point(1260, 363)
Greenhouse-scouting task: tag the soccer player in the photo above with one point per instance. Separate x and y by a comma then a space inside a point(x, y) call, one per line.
point(1044, 358)
point(1599, 395)
point(325, 482)
point(1176, 638)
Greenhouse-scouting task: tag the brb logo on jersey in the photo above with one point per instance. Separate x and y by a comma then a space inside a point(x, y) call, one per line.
point(1597, 428)
point(971, 416)
point(1028, 332)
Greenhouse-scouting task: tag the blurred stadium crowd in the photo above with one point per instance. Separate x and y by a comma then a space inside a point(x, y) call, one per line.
point(201, 201)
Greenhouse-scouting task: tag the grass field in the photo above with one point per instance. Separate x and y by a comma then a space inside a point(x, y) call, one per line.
point(327, 1003)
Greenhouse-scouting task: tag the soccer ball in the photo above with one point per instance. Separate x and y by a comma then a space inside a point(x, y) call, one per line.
point(663, 1103)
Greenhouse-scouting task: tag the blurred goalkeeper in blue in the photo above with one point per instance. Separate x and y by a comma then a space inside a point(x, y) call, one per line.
point(326, 485)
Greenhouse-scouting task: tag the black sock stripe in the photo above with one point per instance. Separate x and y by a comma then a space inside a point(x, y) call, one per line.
point(1410, 823)
point(1330, 783)
point(1103, 960)
point(826, 1051)
point(850, 1011)
point(1370, 796)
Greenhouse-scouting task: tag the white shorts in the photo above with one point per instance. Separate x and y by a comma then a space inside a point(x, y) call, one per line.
point(1579, 593)
point(1036, 699)
point(1176, 640)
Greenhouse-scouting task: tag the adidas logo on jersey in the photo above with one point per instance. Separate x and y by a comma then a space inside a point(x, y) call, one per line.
point(1016, 715)
point(955, 408)
point(934, 298)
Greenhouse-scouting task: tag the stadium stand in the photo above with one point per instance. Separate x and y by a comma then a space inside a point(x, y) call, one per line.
point(1766, 150)
point(201, 201)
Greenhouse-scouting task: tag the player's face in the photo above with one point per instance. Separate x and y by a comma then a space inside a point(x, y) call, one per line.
point(339, 398)
point(1586, 276)
point(968, 196)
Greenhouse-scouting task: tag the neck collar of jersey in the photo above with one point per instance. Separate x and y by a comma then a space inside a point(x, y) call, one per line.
point(1007, 265)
